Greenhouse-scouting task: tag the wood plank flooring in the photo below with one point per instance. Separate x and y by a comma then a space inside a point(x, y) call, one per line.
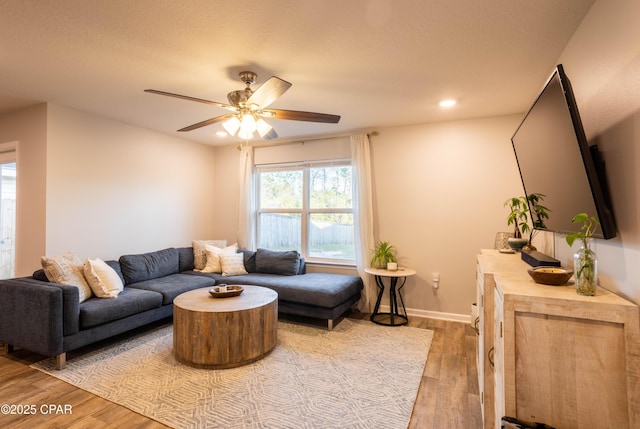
point(447, 397)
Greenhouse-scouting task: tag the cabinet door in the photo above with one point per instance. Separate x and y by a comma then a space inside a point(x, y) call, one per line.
point(485, 284)
point(570, 372)
point(498, 359)
point(478, 324)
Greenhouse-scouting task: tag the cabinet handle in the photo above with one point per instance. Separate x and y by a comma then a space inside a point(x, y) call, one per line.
point(475, 325)
point(490, 354)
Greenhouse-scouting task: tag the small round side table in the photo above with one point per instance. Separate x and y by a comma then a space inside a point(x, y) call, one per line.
point(393, 317)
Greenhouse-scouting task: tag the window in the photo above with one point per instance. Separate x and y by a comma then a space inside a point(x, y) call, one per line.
point(307, 207)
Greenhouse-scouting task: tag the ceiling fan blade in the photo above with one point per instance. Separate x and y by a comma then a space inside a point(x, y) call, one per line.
point(184, 97)
point(297, 115)
point(270, 135)
point(269, 92)
point(207, 122)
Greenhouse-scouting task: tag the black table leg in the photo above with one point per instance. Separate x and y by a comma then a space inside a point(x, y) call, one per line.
point(380, 292)
point(394, 310)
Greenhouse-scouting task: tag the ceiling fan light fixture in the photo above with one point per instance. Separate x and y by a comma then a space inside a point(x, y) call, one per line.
point(263, 127)
point(248, 123)
point(245, 135)
point(231, 125)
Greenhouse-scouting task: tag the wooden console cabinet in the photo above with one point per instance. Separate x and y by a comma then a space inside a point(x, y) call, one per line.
point(547, 354)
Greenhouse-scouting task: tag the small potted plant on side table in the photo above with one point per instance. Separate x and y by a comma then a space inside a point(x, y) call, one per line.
point(383, 254)
point(585, 261)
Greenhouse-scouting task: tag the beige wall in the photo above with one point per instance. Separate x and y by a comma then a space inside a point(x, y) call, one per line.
point(603, 62)
point(227, 186)
point(114, 189)
point(28, 128)
point(439, 193)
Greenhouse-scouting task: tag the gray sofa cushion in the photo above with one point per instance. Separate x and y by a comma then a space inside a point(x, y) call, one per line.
point(212, 276)
point(285, 263)
point(249, 260)
point(173, 285)
point(185, 259)
point(316, 289)
point(97, 311)
point(147, 266)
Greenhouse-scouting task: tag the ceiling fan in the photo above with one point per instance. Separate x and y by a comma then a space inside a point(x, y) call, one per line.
point(249, 107)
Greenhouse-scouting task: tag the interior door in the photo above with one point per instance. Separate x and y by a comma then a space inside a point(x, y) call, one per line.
point(7, 216)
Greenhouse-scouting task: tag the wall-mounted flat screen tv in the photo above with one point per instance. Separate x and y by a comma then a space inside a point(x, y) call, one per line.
point(556, 160)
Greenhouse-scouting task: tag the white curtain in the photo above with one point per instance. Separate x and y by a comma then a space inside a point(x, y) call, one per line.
point(246, 202)
point(363, 216)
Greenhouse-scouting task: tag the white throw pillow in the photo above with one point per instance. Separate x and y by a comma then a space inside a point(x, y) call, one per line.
point(199, 254)
point(233, 264)
point(67, 269)
point(103, 280)
point(213, 257)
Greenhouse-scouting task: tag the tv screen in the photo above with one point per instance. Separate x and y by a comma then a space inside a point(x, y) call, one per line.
point(555, 160)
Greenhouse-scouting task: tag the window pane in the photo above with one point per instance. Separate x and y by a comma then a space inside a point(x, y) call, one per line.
point(279, 231)
point(281, 189)
point(330, 187)
point(331, 236)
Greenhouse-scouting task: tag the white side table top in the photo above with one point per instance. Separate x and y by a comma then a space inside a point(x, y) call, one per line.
point(400, 272)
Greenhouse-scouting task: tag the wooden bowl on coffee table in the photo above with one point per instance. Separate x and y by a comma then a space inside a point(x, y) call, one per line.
point(233, 290)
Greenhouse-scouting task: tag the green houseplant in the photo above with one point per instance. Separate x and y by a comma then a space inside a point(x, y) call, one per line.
point(519, 212)
point(382, 254)
point(585, 261)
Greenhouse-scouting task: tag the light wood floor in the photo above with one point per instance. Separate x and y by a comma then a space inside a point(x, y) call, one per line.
point(447, 397)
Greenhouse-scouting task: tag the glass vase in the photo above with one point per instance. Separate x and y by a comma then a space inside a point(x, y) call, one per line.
point(585, 263)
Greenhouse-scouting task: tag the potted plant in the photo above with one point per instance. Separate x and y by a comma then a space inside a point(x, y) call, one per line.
point(585, 262)
point(383, 254)
point(520, 209)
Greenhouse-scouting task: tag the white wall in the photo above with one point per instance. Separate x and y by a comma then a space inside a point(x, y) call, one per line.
point(28, 128)
point(603, 62)
point(114, 188)
point(438, 198)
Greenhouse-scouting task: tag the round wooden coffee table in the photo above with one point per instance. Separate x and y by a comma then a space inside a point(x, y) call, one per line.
point(224, 332)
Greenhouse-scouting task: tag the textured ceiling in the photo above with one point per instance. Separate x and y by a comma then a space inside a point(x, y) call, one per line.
point(377, 63)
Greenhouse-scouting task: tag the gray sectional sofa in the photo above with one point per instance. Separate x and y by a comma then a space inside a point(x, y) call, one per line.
point(47, 318)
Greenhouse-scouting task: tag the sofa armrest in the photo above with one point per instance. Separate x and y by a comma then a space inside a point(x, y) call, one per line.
point(31, 315)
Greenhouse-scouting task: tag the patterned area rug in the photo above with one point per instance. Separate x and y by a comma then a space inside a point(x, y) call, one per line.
point(360, 375)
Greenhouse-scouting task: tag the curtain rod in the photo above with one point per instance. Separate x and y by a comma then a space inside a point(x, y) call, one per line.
point(303, 141)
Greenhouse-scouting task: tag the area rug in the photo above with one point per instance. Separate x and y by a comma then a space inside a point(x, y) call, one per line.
point(360, 375)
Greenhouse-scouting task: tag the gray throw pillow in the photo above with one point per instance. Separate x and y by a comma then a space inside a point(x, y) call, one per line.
point(249, 260)
point(147, 266)
point(285, 263)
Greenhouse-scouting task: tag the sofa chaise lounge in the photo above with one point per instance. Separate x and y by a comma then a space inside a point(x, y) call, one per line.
point(48, 318)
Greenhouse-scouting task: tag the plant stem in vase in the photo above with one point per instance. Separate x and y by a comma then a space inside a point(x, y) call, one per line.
point(585, 263)
point(586, 267)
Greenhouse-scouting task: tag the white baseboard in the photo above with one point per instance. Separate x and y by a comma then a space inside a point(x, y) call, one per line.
point(453, 317)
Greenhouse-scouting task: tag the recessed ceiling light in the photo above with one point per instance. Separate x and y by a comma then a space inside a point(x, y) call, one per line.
point(447, 103)
point(221, 133)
